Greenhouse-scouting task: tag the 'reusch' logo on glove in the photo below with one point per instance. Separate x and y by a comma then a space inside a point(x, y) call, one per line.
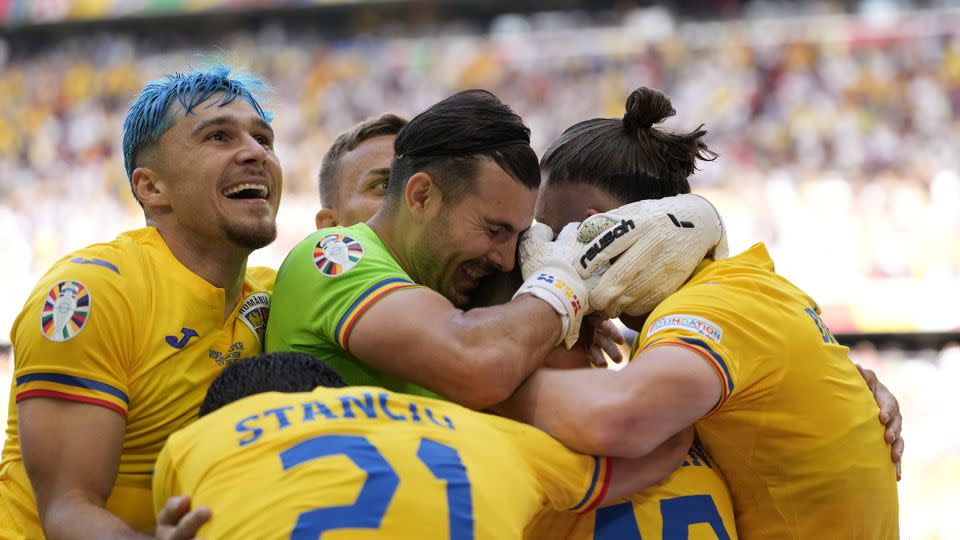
point(562, 286)
point(604, 241)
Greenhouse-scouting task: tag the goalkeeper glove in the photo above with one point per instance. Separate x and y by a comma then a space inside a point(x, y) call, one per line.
point(659, 242)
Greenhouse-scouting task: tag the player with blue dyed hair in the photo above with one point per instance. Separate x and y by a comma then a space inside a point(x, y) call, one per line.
point(151, 116)
point(118, 342)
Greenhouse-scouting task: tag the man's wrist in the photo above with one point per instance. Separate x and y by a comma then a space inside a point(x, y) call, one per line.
point(565, 292)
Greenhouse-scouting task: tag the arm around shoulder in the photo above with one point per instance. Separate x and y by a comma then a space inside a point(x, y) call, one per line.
point(476, 358)
point(627, 413)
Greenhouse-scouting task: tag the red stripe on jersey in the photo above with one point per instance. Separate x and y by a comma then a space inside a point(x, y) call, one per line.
point(724, 382)
point(603, 488)
point(71, 397)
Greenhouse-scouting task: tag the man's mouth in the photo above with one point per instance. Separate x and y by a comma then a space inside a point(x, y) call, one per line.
point(475, 273)
point(246, 191)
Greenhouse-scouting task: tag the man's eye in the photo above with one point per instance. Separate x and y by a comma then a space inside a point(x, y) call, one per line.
point(264, 140)
point(217, 136)
point(493, 231)
point(380, 185)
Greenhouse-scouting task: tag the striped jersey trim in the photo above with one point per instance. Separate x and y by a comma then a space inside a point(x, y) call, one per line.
point(362, 304)
point(27, 394)
point(599, 484)
point(712, 357)
point(72, 380)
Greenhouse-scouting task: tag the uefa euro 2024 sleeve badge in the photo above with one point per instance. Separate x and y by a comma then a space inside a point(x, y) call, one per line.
point(336, 254)
point(66, 309)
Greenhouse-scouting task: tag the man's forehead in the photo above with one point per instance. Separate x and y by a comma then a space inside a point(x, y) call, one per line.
point(373, 153)
point(237, 111)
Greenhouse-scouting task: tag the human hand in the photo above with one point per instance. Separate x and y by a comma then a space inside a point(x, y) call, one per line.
point(177, 522)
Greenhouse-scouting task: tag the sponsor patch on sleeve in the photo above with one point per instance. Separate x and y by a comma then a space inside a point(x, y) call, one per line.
point(336, 254)
point(692, 323)
point(65, 311)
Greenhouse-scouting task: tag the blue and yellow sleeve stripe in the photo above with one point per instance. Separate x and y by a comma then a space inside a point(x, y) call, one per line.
point(72, 388)
point(356, 310)
point(715, 359)
point(599, 484)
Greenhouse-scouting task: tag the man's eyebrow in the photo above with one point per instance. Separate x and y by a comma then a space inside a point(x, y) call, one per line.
point(263, 124)
point(502, 224)
point(228, 120)
point(378, 171)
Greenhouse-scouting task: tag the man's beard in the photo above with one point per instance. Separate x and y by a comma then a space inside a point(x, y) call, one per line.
point(428, 259)
point(252, 238)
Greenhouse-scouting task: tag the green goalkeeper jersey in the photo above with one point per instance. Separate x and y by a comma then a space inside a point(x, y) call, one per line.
point(324, 286)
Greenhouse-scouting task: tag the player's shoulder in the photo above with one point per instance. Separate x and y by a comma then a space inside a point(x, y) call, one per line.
point(261, 278)
point(106, 278)
point(115, 265)
point(353, 251)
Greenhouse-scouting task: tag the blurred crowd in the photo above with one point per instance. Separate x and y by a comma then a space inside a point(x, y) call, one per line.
point(836, 133)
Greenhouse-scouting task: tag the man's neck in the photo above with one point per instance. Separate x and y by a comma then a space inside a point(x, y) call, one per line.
point(386, 226)
point(221, 266)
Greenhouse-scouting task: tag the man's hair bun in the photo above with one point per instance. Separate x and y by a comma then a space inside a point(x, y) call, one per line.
point(646, 107)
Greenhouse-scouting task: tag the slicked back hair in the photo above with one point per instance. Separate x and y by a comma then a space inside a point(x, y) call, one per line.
point(270, 372)
point(150, 115)
point(386, 124)
point(448, 140)
point(628, 157)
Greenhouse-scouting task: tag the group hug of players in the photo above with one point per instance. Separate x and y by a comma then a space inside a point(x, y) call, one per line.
point(431, 357)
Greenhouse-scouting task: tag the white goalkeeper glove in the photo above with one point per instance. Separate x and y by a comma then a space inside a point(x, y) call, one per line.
point(659, 242)
point(548, 273)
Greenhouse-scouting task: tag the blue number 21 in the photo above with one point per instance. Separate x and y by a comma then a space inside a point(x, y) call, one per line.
point(381, 484)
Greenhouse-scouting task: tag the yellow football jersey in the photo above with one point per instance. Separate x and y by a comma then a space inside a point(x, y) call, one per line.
point(796, 430)
point(692, 503)
point(125, 326)
point(363, 462)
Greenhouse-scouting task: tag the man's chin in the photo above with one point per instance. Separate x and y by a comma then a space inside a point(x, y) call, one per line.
point(252, 238)
point(457, 297)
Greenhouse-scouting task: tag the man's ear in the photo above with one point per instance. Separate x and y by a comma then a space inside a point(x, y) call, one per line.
point(148, 187)
point(422, 196)
point(327, 218)
point(589, 212)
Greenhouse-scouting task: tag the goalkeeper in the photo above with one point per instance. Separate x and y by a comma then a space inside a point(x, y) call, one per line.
point(729, 345)
point(382, 301)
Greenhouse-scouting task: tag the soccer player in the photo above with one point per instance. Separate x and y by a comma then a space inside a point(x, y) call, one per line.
point(384, 306)
point(118, 342)
point(355, 171)
point(282, 450)
point(737, 349)
point(698, 477)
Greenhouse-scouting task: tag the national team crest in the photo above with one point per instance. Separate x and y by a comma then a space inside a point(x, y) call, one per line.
point(336, 254)
point(254, 313)
point(66, 309)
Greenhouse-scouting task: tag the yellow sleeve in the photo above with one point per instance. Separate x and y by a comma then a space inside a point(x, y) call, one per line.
point(568, 480)
point(697, 322)
point(74, 337)
point(165, 483)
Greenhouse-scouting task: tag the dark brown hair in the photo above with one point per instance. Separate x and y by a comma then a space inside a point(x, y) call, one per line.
point(448, 140)
point(628, 157)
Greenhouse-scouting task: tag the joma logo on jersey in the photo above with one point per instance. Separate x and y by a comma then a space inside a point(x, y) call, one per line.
point(564, 288)
point(181, 342)
point(604, 241)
